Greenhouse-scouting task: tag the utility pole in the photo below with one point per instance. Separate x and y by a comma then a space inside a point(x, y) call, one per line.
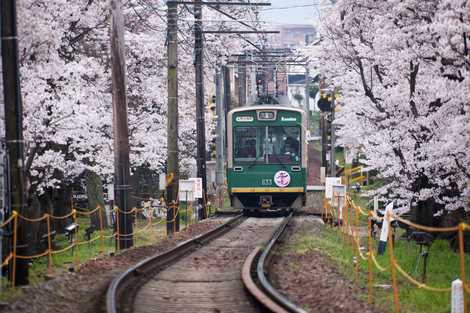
point(219, 174)
point(324, 140)
point(227, 104)
point(200, 121)
point(241, 81)
point(120, 127)
point(253, 80)
point(172, 124)
point(14, 135)
point(332, 136)
point(307, 96)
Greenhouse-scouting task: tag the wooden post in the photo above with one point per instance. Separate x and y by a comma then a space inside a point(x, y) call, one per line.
point(462, 264)
point(100, 212)
point(75, 240)
point(15, 241)
point(358, 242)
point(49, 244)
point(393, 270)
point(370, 274)
point(116, 213)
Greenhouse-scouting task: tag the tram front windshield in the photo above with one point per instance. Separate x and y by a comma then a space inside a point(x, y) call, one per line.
point(267, 145)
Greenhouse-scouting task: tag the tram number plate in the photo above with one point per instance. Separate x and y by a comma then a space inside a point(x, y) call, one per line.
point(266, 182)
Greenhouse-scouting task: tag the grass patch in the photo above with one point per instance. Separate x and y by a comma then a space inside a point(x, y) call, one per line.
point(443, 267)
point(144, 234)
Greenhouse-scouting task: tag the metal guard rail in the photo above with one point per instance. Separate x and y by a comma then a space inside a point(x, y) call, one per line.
point(261, 274)
point(115, 298)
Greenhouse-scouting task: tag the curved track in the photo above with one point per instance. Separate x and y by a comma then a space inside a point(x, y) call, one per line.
point(254, 275)
point(201, 275)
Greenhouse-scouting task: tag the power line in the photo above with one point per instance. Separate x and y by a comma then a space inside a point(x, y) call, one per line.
point(292, 7)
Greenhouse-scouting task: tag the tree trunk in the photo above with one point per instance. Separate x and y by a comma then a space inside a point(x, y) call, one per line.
point(62, 206)
point(423, 213)
point(452, 219)
point(36, 229)
point(94, 189)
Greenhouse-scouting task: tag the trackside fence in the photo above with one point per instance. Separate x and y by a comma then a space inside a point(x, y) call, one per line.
point(348, 221)
point(101, 234)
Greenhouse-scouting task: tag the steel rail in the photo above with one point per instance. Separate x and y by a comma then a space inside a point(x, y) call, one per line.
point(255, 280)
point(123, 287)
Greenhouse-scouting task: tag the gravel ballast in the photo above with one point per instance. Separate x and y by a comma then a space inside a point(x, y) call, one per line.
point(310, 279)
point(84, 291)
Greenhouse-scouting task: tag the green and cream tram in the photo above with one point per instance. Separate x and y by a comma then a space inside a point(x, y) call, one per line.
point(267, 158)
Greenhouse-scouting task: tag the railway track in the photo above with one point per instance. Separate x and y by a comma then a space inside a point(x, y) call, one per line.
point(254, 275)
point(200, 275)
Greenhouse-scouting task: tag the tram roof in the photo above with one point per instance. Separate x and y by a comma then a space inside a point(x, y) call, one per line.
point(266, 107)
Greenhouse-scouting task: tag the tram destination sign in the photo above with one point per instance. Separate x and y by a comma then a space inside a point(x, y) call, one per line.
point(244, 118)
point(288, 119)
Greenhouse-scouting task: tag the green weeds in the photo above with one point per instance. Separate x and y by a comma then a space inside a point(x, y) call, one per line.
point(443, 268)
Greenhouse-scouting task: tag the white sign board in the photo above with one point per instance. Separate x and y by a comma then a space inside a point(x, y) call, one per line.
point(198, 188)
point(322, 174)
point(162, 181)
point(110, 189)
point(187, 190)
point(339, 194)
point(385, 230)
point(329, 183)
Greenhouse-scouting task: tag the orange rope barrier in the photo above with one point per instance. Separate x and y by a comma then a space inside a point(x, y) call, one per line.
point(79, 243)
point(394, 266)
point(32, 220)
point(426, 228)
point(63, 216)
point(34, 256)
point(127, 212)
point(5, 223)
point(87, 213)
point(7, 260)
point(417, 283)
point(75, 242)
point(64, 249)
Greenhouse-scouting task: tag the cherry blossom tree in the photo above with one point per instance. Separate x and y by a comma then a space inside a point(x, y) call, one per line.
point(403, 70)
point(65, 69)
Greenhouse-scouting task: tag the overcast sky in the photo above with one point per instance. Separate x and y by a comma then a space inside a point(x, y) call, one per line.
point(290, 12)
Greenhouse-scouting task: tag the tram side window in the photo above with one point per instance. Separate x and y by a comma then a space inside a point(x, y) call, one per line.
point(245, 144)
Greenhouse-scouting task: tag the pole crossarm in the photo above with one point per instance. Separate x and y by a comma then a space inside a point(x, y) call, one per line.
point(268, 66)
point(241, 32)
point(221, 3)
